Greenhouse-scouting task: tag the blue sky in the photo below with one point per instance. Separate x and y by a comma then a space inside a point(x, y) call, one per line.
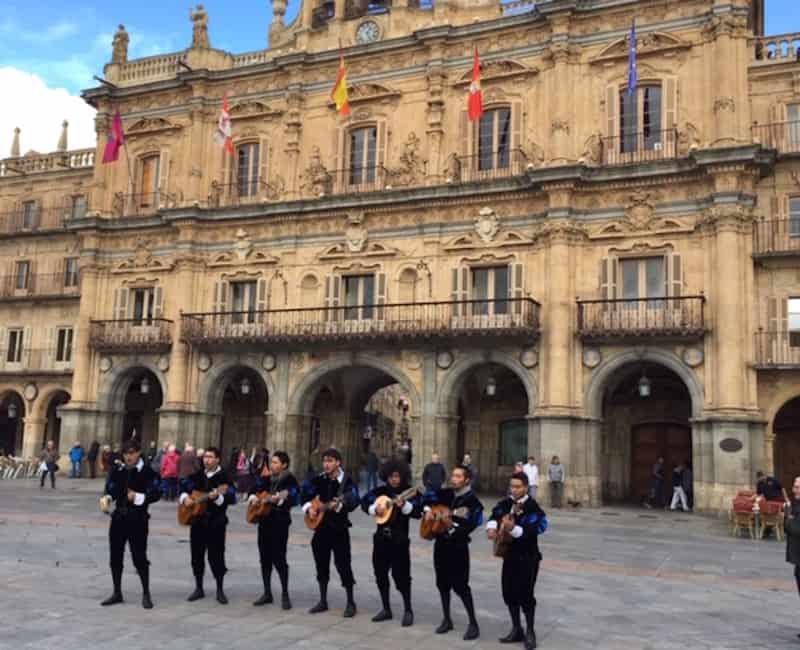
point(60, 45)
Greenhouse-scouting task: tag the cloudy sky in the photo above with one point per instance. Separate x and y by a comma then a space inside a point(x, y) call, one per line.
point(49, 50)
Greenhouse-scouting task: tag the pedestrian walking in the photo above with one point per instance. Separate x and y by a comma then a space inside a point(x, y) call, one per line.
point(155, 462)
point(473, 470)
point(678, 494)
point(49, 458)
point(188, 463)
point(556, 475)
point(656, 496)
point(434, 475)
point(688, 484)
point(791, 524)
point(105, 459)
point(76, 455)
point(169, 472)
point(531, 470)
point(91, 458)
point(243, 474)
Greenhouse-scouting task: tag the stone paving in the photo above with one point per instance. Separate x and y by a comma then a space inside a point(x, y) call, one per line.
point(612, 578)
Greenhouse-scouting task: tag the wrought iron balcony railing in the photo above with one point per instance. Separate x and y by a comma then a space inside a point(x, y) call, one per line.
point(784, 137)
point(243, 192)
point(451, 319)
point(776, 237)
point(39, 285)
point(36, 360)
point(488, 166)
point(682, 317)
point(634, 148)
point(777, 349)
point(33, 219)
point(153, 334)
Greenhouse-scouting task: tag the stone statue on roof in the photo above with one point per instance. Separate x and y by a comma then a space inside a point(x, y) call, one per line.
point(199, 18)
point(119, 46)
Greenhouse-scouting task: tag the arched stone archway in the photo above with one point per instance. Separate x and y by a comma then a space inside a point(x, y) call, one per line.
point(129, 401)
point(51, 402)
point(12, 422)
point(786, 429)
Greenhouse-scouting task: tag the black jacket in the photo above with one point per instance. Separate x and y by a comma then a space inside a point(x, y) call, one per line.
point(396, 529)
point(215, 515)
point(140, 479)
point(433, 476)
point(281, 513)
point(327, 489)
point(792, 528)
point(463, 525)
point(532, 521)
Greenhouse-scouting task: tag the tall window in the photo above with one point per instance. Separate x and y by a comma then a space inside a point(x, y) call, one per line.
point(22, 275)
point(494, 139)
point(77, 206)
point(71, 272)
point(15, 342)
point(640, 119)
point(247, 169)
point(490, 287)
point(148, 181)
point(363, 148)
point(359, 296)
point(793, 126)
point(643, 278)
point(793, 309)
point(64, 345)
point(143, 306)
point(794, 216)
point(243, 301)
point(30, 213)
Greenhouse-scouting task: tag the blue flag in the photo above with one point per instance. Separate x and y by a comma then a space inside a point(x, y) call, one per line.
point(633, 75)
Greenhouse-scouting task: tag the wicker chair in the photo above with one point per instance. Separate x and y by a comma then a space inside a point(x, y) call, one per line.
point(771, 517)
point(743, 517)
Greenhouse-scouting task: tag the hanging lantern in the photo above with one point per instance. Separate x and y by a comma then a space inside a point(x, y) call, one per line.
point(491, 387)
point(244, 386)
point(12, 410)
point(644, 385)
point(144, 386)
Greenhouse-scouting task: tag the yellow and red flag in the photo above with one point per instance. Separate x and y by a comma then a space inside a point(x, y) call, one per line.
point(339, 92)
point(475, 100)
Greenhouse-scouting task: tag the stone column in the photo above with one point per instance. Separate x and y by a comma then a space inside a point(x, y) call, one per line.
point(33, 436)
point(81, 378)
point(560, 83)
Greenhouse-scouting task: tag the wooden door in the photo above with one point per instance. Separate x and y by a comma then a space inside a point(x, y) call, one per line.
point(650, 440)
point(787, 457)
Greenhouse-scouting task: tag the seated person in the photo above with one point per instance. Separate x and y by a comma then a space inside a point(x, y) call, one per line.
point(768, 487)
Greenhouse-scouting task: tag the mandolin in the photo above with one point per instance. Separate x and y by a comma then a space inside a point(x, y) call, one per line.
point(262, 505)
point(316, 513)
point(187, 515)
point(388, 504)
point(440, 522)
point(503, 539)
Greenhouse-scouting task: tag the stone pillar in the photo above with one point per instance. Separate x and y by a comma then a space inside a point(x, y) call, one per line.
point(425, 442)
point(33, 436)
point(729, 59)
point(81, 378)
point(560, 82)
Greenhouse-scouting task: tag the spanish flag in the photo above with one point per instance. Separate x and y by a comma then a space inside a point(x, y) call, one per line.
point(339, 92)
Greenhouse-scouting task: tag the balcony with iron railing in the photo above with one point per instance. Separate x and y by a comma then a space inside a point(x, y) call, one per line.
point(673, 317)
point(777, 350)
point(34, 219)
point(244, 192)
point(39, 286)
point(489, 165)
point(783, 137)
point(38, 360)
point(514, 317)
point(776, 237)
point(640, 147)
point(131, 335)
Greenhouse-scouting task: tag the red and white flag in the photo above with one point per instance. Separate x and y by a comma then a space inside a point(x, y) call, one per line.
point(475, 101)
point(116, 139)
point(223, 136)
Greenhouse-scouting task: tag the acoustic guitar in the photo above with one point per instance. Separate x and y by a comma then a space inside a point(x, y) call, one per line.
point(503, 539)
point(316, 513)
point(388, 504)
point(187, 515)
point(262, 505)
point(440, 522)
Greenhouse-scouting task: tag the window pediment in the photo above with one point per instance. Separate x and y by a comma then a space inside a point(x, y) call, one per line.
point(344, 251)
point(497, 71)
point(150, 125)
point(652, 43)
point(233, 259)
point(253, 109)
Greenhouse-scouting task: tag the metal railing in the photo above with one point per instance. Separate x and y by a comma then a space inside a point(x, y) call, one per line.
point(682, 316)
point(38, 359)
point(35, 219)
point(517, 316)
point(359, 8)
point(243, 192)
point(633, 148)
point(784, 137)
point(358, 180)
point(37, 285)
point(131, 334)
point(777, 349)
point(780, 48)
point(775, 236)
point(139, 203)
point(488, 166)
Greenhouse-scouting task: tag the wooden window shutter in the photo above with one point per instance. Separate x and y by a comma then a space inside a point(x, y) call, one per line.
point(50, 354)
point(26, 346)
point(608, 278)
point(220, 296)
point(262, 299)
point(670, 103)
point(381, 147)
point(158, 302)
point(381, 294)
point(332, 291)
point(121, 303)
point(612, 109)
point(516, 286)
point(339, 155)
point(3, 346)
point(263, 165)
point(674, 279)
point(516, 128)
point(163, 178)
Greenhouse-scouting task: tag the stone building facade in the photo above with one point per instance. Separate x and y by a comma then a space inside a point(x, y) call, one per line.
point(585, 272)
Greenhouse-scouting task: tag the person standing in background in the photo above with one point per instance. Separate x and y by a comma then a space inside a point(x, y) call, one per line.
point(531, 470)
point(434, 475)
point(473, 470)
point(556, 475)
point(91, 458)
point(49, 458)
point(76, 455)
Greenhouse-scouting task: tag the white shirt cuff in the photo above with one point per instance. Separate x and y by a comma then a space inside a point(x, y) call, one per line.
point(183, 497)
point(220, 500)
point(492, 525)
point(371, 510)
point(426, 509)
point(338, 507)
point(280, 503)
point(252, 498)
point(306, 506)
point(516, 532)
point(407, 508)
point(138, 499)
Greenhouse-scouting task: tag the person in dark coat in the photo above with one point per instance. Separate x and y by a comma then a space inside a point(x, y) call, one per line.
point(208, 532)
point(524, 520)
point(792, 527)
point(391, 545)
point(273, 530)
point(91, 457)
point(132, 487)
point(451, 549)
point(434, 475)
point(373, 465)
point(333, 533)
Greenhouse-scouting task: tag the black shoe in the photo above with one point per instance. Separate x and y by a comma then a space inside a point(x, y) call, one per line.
point(445, 626)
point(472, 632)
point(197, 594)
point(113, 599)
point(222, 599)
point(408, 618)
point(383, 615)
point(285, 602)
point(530, 640)
point(350, 610)
point(147, 602)
point(515, 636)
point(321, 606)
point(266, 599)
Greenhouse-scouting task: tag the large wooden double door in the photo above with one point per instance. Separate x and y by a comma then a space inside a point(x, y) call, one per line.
point(649, 440)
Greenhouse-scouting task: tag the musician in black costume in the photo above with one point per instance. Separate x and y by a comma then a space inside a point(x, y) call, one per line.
point(451, 549)
point(131, 487)
point(391, 545)
point(207, 532)
point(521, 517)
point(333, 534)
point(273, 530)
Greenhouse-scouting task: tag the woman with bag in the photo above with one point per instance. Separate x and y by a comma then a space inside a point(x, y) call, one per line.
point(49, 458)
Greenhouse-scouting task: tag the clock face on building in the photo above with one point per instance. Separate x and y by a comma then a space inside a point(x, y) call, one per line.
point(368, 32)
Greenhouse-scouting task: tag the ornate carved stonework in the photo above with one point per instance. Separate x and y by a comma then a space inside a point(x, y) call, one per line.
point(487, 225)
point(724, 104)
point(559, 125)
point(640, 209)
point(498, 70)
point(315, 179)
point(727, 217)
point(688, 138)
point(151, 125)
point(647, 44)
point(593, 149)
point(253, 109)
point(411, 168)
point(143, 260)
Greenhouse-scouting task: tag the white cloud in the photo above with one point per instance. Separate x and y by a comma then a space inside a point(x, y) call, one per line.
point(49, 34)
point(38, 111)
